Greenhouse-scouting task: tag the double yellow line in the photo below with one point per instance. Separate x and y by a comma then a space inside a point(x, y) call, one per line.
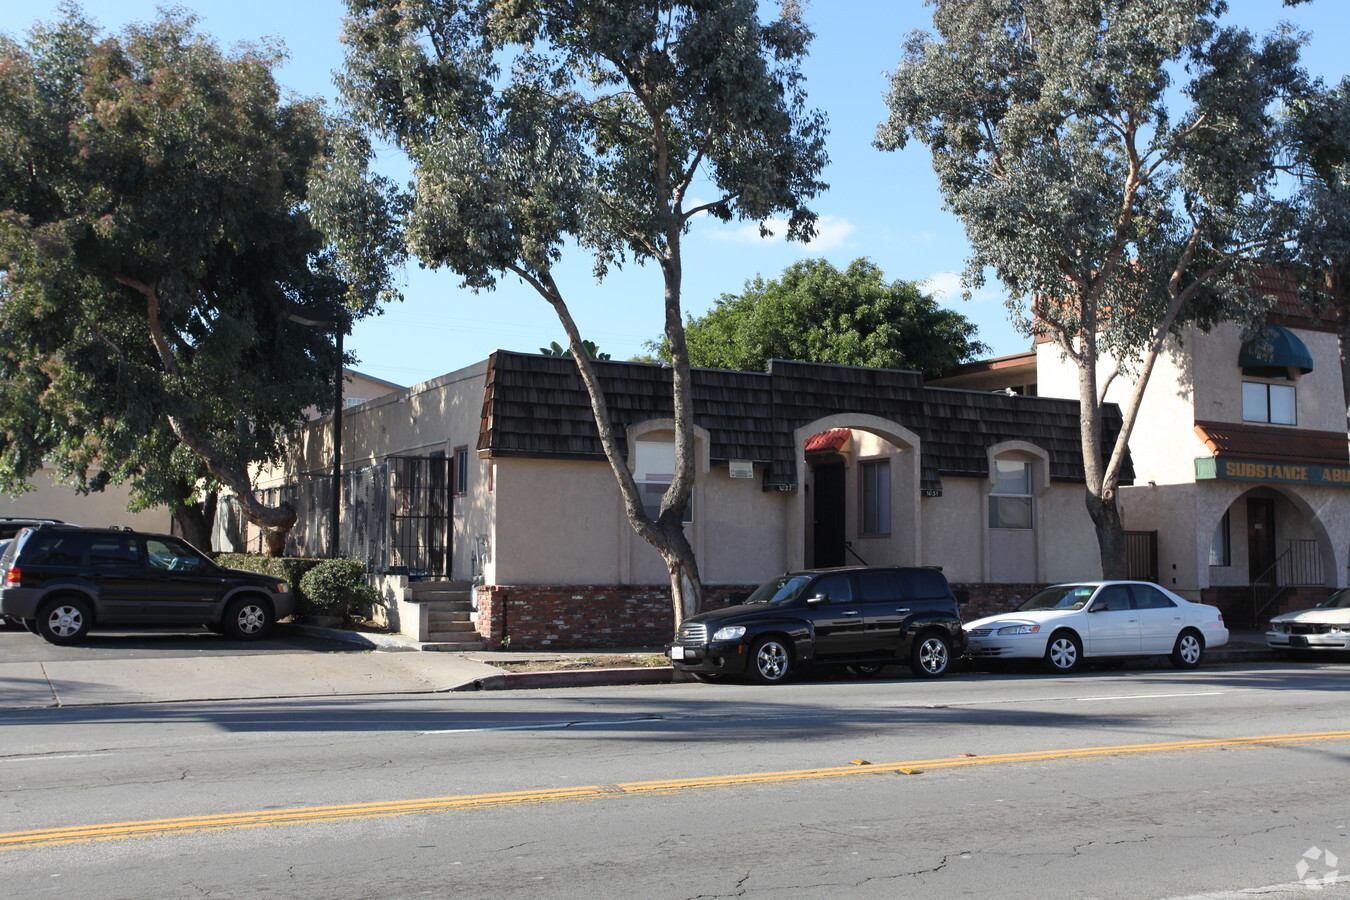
point(228, 821)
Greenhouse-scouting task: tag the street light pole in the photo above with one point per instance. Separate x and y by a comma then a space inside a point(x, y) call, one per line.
point(334, 545)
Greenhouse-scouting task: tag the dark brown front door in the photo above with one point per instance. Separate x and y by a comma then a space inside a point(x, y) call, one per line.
point(1260, 536)
point(828, 510)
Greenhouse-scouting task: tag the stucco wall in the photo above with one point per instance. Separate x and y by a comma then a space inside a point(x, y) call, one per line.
point(108, 507)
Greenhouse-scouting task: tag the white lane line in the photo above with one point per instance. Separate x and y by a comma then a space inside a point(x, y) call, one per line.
point(10, 759)
point(1083, 699)
point(543, 725)
point(1291, 888)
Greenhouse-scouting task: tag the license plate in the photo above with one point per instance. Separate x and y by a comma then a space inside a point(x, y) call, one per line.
point(677, 652)
point(1297, 640)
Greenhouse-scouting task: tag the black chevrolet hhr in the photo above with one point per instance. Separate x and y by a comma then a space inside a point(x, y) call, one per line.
point(864, 618)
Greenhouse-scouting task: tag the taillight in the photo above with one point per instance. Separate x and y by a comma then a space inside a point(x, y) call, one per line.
point(12, 576)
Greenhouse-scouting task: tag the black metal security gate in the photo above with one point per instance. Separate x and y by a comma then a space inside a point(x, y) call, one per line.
point(396, 517)
point(421, 530)
point(1141, 555)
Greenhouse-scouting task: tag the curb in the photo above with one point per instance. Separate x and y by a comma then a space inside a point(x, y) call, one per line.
point(514, 681)
point(368, 640)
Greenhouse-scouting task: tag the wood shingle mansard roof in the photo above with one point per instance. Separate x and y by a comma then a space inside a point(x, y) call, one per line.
point(536, 406)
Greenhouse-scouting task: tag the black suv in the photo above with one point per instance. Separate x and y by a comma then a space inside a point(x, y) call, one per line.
point(12, 525)
point(62, 580)
point(863, 618)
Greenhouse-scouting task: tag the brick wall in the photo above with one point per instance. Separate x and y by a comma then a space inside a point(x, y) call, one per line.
point(1237, 607)
point(591, 616)
point(594, 616)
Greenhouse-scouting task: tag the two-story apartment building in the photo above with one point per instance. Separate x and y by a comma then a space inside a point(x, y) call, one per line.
point(1240, 457)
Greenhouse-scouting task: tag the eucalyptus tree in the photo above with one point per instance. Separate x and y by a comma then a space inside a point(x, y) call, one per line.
point(537, 128)
point(1111, 218)
point(1318, 136)
point(814, 312)
point(155, 251)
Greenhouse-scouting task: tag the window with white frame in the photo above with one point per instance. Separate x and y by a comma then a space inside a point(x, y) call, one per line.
point(1272, 403)
point(875, 476)
point(654, 470)
point(1010, 503)
point(1220, 547)
point(461, 472)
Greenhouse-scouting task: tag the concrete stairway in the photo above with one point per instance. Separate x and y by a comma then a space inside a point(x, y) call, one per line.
point(445, 615)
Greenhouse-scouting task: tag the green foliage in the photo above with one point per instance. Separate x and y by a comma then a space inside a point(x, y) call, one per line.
point(816, 313)
point(336, 587)
point(556, 349)
point(290, 568)
point(1111, 218)
point(154, 244)
point(1102, 210)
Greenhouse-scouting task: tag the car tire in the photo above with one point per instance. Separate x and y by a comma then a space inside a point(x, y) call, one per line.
point(770, 661)
point(9, 623)
point(868, 670)
point(30, 625)
point(246, 619)
point(931, 655)
point(1063, 653)
point(1189, 651)
point(64, 620)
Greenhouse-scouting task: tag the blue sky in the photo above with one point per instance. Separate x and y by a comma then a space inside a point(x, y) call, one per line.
point(884, 206)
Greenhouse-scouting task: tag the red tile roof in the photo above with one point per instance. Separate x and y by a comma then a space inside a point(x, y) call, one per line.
point(827, 440)
point(1226, 439)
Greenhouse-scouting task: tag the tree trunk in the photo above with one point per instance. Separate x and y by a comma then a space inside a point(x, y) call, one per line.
point(1110, 535)
point(196, 521)
point(686, 590)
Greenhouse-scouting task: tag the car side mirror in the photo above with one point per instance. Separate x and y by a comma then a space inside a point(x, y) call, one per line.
point(819, 598)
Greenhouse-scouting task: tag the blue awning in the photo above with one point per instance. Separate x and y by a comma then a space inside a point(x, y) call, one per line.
point(1286, 351)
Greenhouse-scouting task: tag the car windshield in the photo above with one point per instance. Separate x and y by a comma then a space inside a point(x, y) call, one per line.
point(1061, 596)
point(779, 591)
point(1338, 600)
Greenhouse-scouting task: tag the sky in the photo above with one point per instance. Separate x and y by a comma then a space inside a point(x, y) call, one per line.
point(881, 205)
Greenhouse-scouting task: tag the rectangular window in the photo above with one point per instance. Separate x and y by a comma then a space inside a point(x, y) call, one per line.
point(1010, 501)
point(876, 497)
point(461, 473)
point(654, 470)
point(1273, 403)
point(1220, 553)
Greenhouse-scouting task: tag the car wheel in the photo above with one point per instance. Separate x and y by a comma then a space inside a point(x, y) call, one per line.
point(770, 661)
point(867, 671)
point(1189, 651)
point(931, 656)
point(30, 625)
point(10, 623)
point(1064, 653)
point(65, 620)
point(246, 619)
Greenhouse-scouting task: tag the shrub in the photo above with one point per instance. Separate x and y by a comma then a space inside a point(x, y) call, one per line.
point(336, 587)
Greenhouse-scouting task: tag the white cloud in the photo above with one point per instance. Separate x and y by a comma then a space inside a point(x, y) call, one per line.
point(942, 285)
point(831, 232)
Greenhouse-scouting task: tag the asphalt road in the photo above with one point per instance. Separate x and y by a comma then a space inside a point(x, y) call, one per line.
point(1117, 783)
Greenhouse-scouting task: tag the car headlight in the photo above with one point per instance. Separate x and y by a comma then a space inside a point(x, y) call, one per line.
point(729, 633)
point(1339, 629)
point(1019, 628)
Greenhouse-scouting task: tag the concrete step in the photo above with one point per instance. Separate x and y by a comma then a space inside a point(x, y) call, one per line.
point(453, 646)
point(436, 625)
point(438, 616)
point(421, 587)
point(441, 597)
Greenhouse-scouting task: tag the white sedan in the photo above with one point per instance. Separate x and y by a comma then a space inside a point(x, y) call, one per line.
point(1324, 627)
point(1064, 624)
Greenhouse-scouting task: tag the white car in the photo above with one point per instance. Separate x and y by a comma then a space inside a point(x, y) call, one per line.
point(1324, 627)
point(1064, 624)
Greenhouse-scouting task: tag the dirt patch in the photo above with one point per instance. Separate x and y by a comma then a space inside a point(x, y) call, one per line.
point(642, 661)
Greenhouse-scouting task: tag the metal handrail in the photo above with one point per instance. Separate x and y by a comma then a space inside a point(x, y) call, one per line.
point(848, 545)
point(1299, 565)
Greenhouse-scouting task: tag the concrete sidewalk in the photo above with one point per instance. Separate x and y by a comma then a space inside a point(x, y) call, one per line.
point(40, 685)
